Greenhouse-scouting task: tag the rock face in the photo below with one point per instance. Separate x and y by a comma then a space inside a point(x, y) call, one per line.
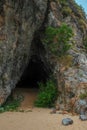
point(22, 22)
point(71, 70)
point(18, 22)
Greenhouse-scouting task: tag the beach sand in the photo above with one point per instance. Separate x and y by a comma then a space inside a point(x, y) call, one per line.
point(37, 118)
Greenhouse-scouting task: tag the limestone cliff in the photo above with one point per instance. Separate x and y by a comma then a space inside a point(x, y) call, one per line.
point(22, 23)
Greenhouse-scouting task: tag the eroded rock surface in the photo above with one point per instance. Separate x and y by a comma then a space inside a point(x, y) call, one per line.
point(19, 19)
point(71, 70)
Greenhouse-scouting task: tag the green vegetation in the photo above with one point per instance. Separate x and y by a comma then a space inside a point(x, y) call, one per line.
point(47, 94)
point(11, 104)
point(75, 11)
point(80, 11)
point(80, 16)
point(83, 95)
point(66, 60)
point(63, 2)
point(57, 39)
point(85, 43)
point(66, 11)
point(83, 24)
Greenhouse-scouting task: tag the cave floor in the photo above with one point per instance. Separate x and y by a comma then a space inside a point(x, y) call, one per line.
point(29, 96)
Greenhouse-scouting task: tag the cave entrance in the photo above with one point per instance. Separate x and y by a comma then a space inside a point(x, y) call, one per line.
point(38, 70)
point(34, 73)
point(28, 85)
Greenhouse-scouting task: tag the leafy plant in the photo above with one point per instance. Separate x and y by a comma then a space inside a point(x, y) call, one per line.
point(66, 11)
point(11, 104)
point(83, 95)
point(85, 43)
point(57, 39)
point(80, 10)
point(63, 2)
point(66, 60)
point(47, 94)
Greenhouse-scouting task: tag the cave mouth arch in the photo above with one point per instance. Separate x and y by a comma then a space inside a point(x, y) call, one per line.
point(38, 68)
point(34, 73)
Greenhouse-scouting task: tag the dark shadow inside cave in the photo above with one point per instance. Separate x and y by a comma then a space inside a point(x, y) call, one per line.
point(38, 69)
point(33, 74)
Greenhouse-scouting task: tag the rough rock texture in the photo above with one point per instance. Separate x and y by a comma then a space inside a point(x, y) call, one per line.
point(70, 71)
point(19, 19)
point(81, 106)
point(83, 117)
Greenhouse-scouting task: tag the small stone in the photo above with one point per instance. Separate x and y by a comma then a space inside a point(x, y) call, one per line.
point(57, 107)
point(64, 112)
point(28, 110)
point(82, 112)
point(67, 121)
point(82, 102)
point(83, 117)
point(53, 111)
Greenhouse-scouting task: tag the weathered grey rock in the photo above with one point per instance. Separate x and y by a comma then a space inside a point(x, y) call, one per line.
point(67, 121)
point(53, 111)
point(82, 102)
point(72, 78)
point(83, 117)
point(19, 20)
point(81, 106)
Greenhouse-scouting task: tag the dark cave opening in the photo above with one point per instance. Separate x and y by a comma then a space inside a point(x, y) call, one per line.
point(33, 74)
point(38, 69)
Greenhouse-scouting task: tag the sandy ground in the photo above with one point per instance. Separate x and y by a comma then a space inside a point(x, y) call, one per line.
point(29, 97)
point(37, 118)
